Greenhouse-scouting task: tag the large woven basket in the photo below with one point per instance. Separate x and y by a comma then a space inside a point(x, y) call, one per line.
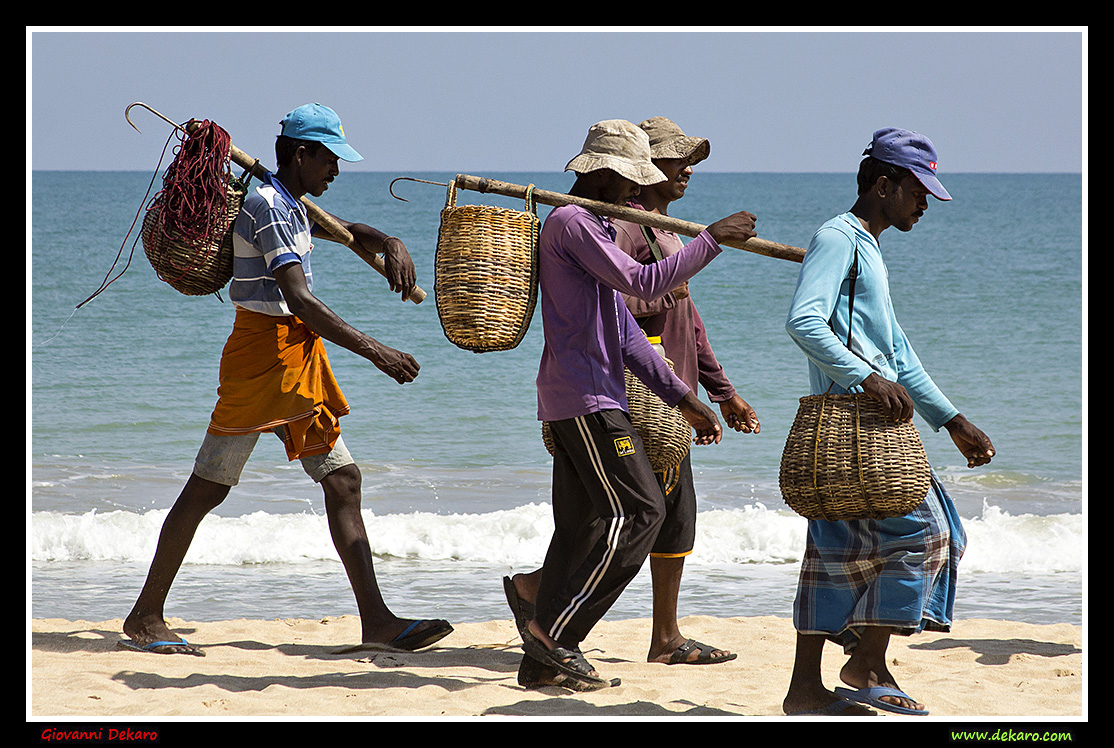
point(665, 433)
point(486, 273)
point(845, 458)
point(191, 269)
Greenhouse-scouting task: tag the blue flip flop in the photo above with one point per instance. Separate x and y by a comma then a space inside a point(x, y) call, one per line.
point(153, 647)
point(873, 697)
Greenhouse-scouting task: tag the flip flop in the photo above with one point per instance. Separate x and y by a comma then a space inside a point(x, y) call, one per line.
point(412, 641)
point(522, 610)
point(873, 697)
point(570, 662)
point(154, 647)
point(407, 641)
point(534, 674)
point(680, 655)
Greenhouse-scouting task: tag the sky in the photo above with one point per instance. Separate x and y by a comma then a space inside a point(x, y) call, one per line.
point(468, 100)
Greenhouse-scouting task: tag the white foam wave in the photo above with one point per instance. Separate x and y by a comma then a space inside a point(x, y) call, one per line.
point(753, 534)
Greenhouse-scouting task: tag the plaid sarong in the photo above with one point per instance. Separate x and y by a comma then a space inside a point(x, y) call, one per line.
point(899, 572)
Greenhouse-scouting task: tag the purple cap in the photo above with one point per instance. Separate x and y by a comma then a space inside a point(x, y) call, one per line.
point(912, 151)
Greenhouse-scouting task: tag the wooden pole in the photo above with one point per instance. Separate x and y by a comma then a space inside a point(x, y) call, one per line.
point(336, 232)
point(653, 220)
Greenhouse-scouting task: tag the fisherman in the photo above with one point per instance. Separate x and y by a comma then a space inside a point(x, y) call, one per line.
point(862, 581)
point(607, 506)
point(673, 322)
point(275, 376)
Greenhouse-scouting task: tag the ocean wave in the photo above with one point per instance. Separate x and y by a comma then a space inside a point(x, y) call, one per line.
point(754, 534)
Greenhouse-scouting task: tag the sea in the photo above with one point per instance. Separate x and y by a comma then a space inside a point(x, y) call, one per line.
point(990, 288)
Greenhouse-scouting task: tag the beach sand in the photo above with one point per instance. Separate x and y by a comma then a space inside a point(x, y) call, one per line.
point(292, 669)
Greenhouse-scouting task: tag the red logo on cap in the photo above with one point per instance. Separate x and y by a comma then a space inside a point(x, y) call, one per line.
point(932, 165)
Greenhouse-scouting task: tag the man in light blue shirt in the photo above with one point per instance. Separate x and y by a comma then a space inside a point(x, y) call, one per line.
point(864, 580)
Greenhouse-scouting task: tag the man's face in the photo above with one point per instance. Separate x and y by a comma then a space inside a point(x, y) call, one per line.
point(617, 189)
point(906, 202)
point(677, 172)
point(318, 170)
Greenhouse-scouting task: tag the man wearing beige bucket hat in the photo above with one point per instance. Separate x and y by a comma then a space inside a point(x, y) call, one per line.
point(674, 323)
point(607, 506)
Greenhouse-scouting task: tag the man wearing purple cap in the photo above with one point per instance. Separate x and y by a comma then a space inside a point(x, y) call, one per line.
point(275, 376)
point(862, 581)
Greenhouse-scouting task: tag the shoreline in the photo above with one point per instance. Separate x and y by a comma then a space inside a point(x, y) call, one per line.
point(294, 669)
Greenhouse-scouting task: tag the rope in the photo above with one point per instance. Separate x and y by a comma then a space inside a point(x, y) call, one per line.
point(110, 280)
point(194, 193)
point(194, 197)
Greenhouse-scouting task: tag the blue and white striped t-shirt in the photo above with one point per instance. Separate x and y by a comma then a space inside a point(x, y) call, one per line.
point(272, 230)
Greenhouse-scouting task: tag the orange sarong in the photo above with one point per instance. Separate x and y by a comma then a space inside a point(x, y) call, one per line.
point(274, 372)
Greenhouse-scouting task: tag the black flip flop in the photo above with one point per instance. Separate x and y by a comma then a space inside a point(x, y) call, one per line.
point(534, 674)
point(570, 662)
point(680, 655)
point(522, 610)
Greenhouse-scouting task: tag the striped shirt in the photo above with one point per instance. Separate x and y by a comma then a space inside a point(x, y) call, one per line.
point(272, 230)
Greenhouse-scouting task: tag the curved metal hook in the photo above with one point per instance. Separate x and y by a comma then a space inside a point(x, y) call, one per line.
point(158, 114)
point(391, 188)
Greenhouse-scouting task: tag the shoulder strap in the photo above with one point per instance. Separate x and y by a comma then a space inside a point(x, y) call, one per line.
point(655, 250)
point(852, 277)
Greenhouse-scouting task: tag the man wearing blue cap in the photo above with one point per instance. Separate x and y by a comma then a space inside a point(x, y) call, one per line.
point(275, 376)
point(862, 581)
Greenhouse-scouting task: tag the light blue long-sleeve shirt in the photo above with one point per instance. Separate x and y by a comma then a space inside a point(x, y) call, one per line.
point(818, 321)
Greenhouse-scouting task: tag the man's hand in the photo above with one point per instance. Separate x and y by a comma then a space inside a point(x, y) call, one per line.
point(399, 366)
point(702, 419)
point(736, 227)
point(893, 397)
point(973, 443)
point(399, 266)
point(738, 415)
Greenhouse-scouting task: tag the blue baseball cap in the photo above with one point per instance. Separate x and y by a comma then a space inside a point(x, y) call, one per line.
point(912, 151)
point(320, 124)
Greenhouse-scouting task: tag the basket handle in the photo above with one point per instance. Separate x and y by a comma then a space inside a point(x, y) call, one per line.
point(450, 195)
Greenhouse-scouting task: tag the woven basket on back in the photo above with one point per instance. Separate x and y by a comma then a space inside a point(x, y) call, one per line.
point(845, 458)
point(665, 433)
point(486, 273)
point(194, 270)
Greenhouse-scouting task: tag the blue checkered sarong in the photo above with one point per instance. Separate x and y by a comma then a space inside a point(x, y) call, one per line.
point(899, 572)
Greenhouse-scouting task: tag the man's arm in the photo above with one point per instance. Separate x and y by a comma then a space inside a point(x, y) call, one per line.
point(399, 266)
point(320, 319)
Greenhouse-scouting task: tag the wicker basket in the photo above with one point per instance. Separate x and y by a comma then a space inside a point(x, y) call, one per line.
point(666, 435)
point(190, 269)
point(845, 458)
point(486, 273)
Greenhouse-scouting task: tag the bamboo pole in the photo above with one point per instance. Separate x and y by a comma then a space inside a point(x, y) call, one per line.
point(646, 218)
point(337, 233)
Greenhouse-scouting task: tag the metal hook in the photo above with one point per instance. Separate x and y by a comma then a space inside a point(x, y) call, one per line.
point(391, 188)
point(158, 114)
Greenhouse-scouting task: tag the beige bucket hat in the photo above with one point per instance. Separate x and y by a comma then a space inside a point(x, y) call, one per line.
point(668, 141)
point(620, 146)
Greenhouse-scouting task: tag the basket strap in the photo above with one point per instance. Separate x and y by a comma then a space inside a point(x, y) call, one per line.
point(531, 203)
point(450, 195)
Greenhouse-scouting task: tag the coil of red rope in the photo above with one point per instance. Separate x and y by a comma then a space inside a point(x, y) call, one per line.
point(194, 193)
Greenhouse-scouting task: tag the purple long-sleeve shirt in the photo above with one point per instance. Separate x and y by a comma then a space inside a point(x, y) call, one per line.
point(589, 332)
